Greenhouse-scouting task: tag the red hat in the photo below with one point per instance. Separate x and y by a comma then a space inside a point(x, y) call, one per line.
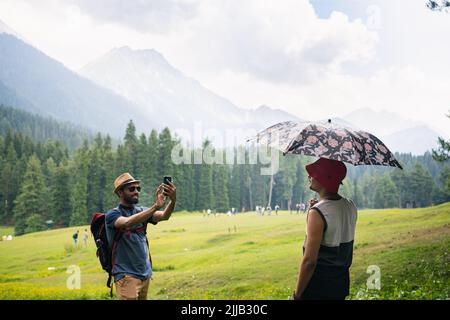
point(329, 173)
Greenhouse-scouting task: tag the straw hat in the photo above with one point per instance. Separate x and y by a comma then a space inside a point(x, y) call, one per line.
point(123, 179)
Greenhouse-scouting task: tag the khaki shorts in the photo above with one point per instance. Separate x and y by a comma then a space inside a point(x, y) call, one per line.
point(130, 288)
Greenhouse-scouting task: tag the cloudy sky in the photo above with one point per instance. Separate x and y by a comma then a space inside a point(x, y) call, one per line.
point(315, 59)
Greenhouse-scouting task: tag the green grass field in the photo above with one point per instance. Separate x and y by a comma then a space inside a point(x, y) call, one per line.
point(240, 257)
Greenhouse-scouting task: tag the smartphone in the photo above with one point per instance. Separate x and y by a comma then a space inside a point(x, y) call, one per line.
point(167, 179)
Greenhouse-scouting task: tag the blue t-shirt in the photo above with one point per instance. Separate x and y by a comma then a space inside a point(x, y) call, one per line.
point(131, 254)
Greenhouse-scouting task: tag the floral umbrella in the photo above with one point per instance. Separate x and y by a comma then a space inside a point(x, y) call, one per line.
point(327, 140)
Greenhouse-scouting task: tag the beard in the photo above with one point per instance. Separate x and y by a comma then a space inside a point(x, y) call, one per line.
point(131, 199)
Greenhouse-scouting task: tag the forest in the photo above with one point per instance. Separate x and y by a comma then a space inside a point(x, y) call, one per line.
point(50, 181)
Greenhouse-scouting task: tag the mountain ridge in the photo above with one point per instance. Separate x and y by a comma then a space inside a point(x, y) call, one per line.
point(142, 85)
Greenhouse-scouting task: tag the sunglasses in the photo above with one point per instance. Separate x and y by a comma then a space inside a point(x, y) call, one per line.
point(133, 189)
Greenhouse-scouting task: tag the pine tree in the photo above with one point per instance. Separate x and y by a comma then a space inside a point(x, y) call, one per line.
point(131, 147)
point(96, 174)
point(165, 146)
point(402, 180)
point(31, 199)
point(289, 171)
point(142, 169)
point(367, 188)
point(79, 191)
point(185, 187)
point(108, 159)
point(11, 176)
point(234, 187)
point(49, 171)
point(220, 173)
point(35, 223)
point(386, 193)
point(2, 197)
point(152, 158)
point(246, 186)
point(204, 187)
point(61, 196)
point(356, 196)
point(298, 190)
point(122, 164)
point(421, 186)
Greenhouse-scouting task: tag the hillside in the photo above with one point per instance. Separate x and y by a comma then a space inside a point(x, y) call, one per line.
point(35, 82)
point(160, 90)
point(40, 128)
point(227, 257)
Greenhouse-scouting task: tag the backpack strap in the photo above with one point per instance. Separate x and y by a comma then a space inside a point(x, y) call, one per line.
point(110, 285)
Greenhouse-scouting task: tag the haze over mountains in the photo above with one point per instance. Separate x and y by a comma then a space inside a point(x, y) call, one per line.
point(398, 133)
point(142, 85)
point(146, 78)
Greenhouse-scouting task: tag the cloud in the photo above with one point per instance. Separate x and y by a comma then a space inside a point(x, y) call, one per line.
point(273, 41)
point(147, 16)
point(254, 52)
point(406, 90)
point(284, 41)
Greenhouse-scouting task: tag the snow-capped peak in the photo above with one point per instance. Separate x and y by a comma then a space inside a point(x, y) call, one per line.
point(7, 30)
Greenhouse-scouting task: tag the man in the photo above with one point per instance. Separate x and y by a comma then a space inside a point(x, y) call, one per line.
point(85, 238)
point(75, 238)
point(132, 267)
point(330, 231)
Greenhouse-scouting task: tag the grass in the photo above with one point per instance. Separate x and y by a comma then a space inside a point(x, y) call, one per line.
point(240, 257)
point(6, 231)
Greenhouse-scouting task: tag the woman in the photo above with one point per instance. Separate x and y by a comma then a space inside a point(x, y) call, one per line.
point(330, 231)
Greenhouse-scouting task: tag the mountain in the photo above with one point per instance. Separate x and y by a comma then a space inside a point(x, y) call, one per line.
point(32, 81)
point(7, 30)
point(146, 78)
point(416, 140)
point(143, 86)
point(264, 116)
point(399, 133)
point(11, 98)
point(41, 129)
point(173, 99)
point(380, 123)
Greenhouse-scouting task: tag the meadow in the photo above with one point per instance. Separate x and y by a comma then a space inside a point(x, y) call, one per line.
point(243, 256)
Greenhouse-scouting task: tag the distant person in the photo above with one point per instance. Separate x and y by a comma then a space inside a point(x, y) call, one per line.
point(132, 267)
point(303, 207)
point(277, 207)
point(330, 232)
point(269, 210)
point(297, 206)
point(85, 237)
point(75, 238)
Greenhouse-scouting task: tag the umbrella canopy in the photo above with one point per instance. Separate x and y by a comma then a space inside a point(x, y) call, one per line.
point(328, 140)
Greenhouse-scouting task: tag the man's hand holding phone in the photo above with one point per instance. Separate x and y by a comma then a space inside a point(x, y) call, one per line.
point(169, 189)
point(160, 198)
